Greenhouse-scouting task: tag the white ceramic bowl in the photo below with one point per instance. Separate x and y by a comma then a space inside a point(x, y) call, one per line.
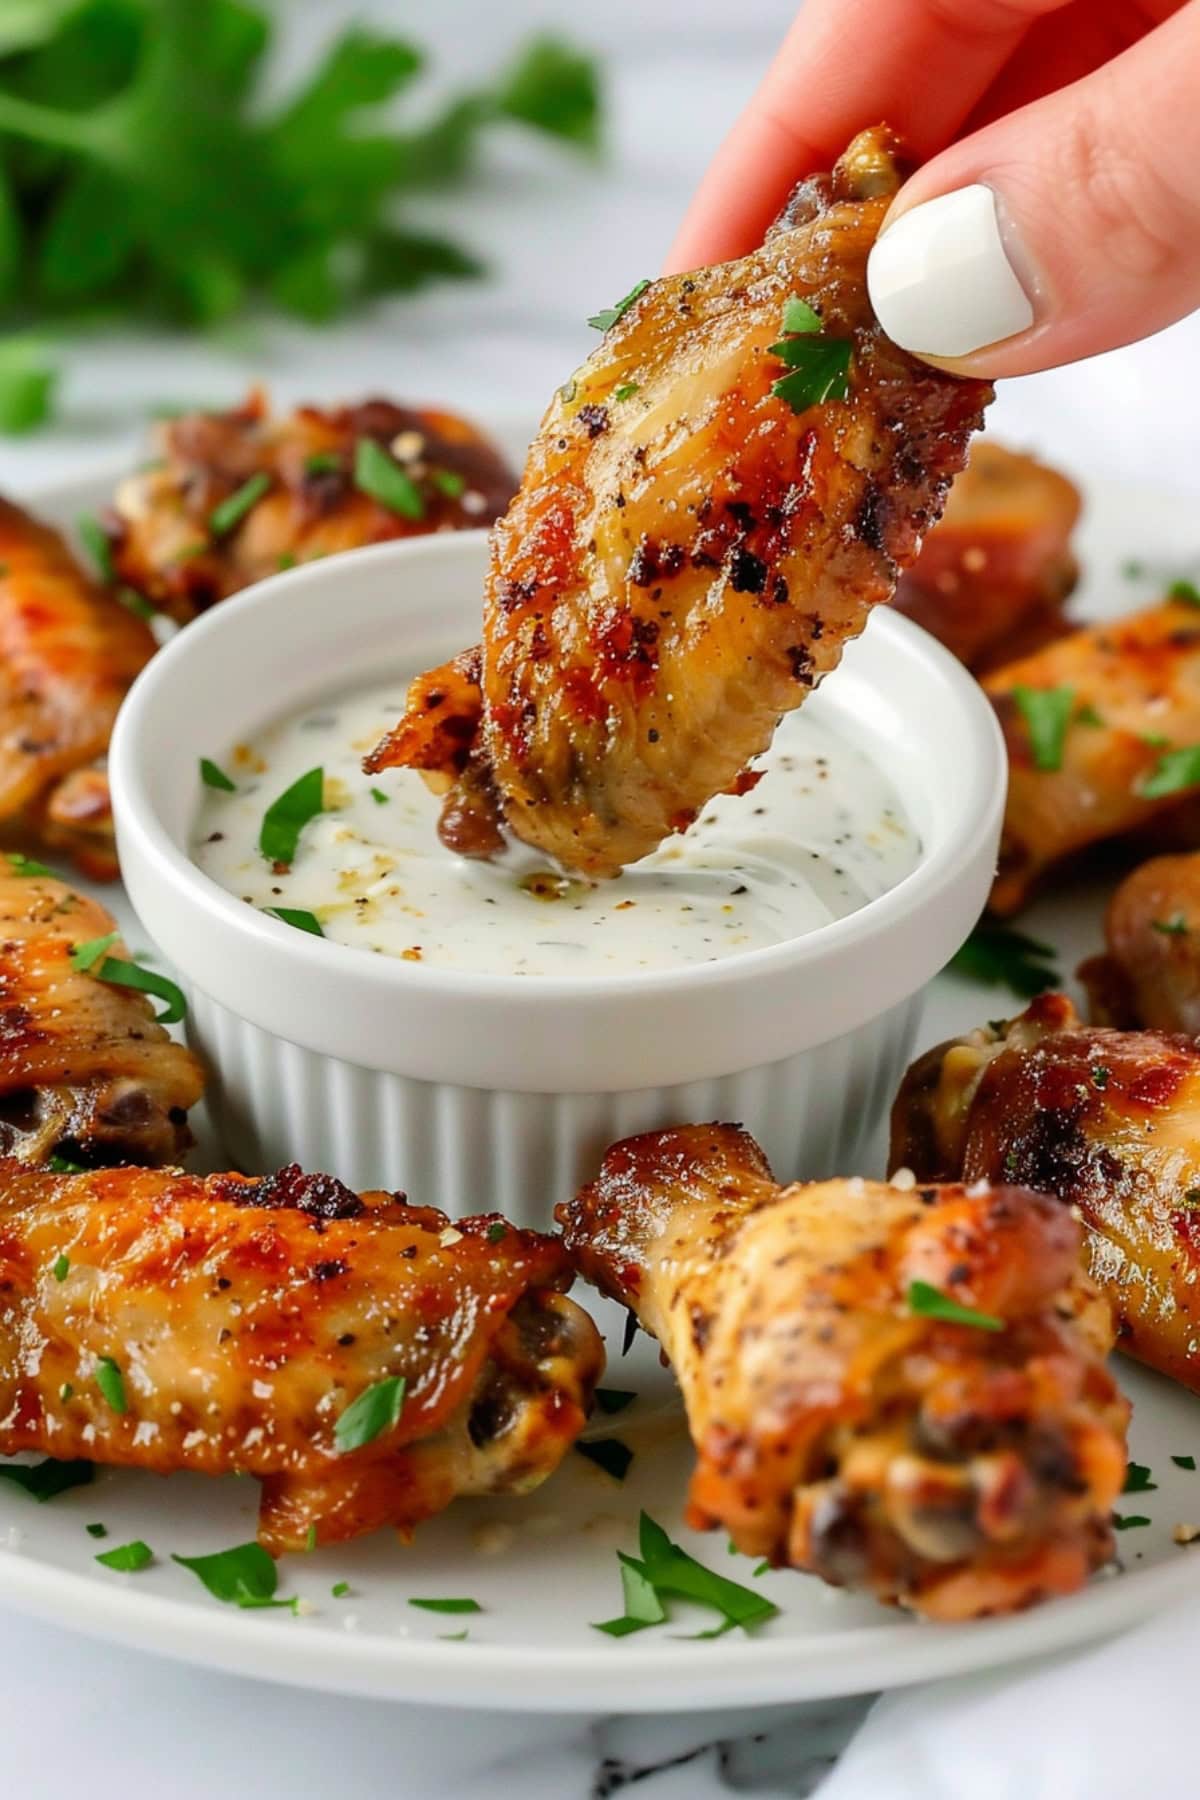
point(473, 1091)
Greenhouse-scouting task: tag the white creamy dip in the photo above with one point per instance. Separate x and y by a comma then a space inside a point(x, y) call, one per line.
point(822, 833)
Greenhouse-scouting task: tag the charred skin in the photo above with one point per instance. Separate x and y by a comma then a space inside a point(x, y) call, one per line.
point(246, 1314)
point(69, 653)
point(163, 540)
point(1108, 1121)
point(1151, 973)
point(993, 574)
point(1140, 678)
point(86, 1072)
point(686, 556)
point(951, 1470)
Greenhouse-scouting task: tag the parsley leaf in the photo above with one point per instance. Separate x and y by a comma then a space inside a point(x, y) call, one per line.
point(60, 1268)
point(244, 1576)
point(128, 1558)
point(111, 1383)
point(380, 476)
point(448, 1606)
point(614, 1400)
point(1175, 926)
point(1129, 1521)
point(609, 1454)
point(27, 386)
point(1001, 957)
point(376, 1410)
point(46, 1479)
point(820, 365)
point(95, 541)
point(1184, 590)
point(229, 514)
point(114, 969)
point(1137, 1479)
point(1177, 770)
point(1047, 713)
point(285, 818)
point(931, 1303)
point(608, 315)
point(214, 777)
point(642, 1604)
point(1184, 1462)
point(25, 865)
point(297, 917)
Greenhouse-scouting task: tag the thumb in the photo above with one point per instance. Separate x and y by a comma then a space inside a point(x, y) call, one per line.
point(1069, 227)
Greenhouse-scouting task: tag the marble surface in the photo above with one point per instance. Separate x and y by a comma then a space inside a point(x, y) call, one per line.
point(562, 235)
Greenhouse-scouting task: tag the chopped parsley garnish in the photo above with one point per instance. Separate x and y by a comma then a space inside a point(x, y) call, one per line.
point(136, 603)
point(379, 797)
point(26, 865)
point(1177, 770)
point(631, 1331)
point(96, 542)
point(376, 1410)
point(96, 1531)
point(61, 1267)
point(46, 1479)
point(111, 1383)
point(340, 1589)
point(244, 1576)
point(128, 1558)
point(609, 1454)
point(608, 315)
point(119, 973)
point(1005, 958)
point(285, 818)
point(666, 1571)
point(62, 1165)
point(322, 462)
point(1047, 713)
point(229, 514)
point(497, 1231)
point(1175, 926)
point(285, 560)
point(614, 1400)
point(1129, 1521)
point(215, 777)
point(454, 1637)
point(297, 917)
point(1184, 1462)
point(762, 1568)
point(1184, 590)
point(380, 477)
point(450, 483)
point(626, 391)
point(1100, 1076)
point(27, 383)
point(1087, 715)
point(1138, 1479)
point(66, 1391)
point(819, 366)
point(931, 1303)
point(310, 1538)
point(448, 1606)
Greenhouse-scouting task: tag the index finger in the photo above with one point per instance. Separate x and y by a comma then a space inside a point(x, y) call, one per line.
point(921, 65)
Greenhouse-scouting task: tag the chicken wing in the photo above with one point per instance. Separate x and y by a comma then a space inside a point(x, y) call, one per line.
point(181, 537)
point(1107, 1120)
point(1131, 694)
point(1151, 972)
point(236, 1323)
point(993, 574)
point(86, 1073)
point(69, 652)
point(953, 1469)
point(688, 555)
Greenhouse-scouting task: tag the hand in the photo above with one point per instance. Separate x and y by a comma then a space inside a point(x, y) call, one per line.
point(1058, 214)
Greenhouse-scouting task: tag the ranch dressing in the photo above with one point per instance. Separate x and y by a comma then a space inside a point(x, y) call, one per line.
point(822, 833)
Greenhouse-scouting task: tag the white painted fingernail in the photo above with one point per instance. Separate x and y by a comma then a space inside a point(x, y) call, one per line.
point(940, 279)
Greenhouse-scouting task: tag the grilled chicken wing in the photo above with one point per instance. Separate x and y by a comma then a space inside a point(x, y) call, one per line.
point(1132, 688)
point(68, 654)
point(993, 574)
point(1107, 1120)
point(687, 555)
point(952, 1469)
point(246, 1316)
point(85, 1071)
point(168, 545)
point(1151, 973)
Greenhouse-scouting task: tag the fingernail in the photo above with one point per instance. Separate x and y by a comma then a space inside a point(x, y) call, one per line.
point(940, 279)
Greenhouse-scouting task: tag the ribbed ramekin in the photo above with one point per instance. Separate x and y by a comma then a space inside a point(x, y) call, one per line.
point(472, 1091)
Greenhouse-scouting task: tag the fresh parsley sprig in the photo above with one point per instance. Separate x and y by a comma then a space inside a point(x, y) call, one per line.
point(1001, 957)
point(92, 958)
point(1047, 714)
point(819, 365)
point(662, 1571)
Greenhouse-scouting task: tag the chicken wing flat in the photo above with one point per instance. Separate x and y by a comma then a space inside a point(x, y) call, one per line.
point(86, 1072)
point(230, 1323)
point(233, 497)
point(69, 652)
point(1130, 691)
point(1151, 972)
point(690, 549)
point(993, 574)
point(1108, 1121)
point(953, 1469)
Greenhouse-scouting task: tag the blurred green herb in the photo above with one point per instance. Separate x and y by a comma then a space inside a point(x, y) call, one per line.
point(1001, 957)
point(143, 171)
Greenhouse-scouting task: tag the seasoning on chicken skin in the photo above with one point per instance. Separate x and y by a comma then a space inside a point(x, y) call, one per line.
point(168, 539)
point(86, 1072)
point(994, 572)
point(952, 1469)
point(69, 653)
point(1132, 687)
point(245, 1315)
point(687, 555)
point(1107, 1120)
point(1151, 972)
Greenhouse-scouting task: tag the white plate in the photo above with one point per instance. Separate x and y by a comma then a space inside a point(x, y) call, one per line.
point(544, 1567)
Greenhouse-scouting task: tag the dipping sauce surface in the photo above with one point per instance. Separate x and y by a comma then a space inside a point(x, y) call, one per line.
point(820, 834)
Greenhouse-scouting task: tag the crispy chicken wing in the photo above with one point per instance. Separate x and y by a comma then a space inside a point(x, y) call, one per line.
point(1151, 973)
point(952, 1469)
point(1132, 690)
point(85, 1071)
point(1107, 1120)
point(167, 545)
point(246, 1316)
point(68, 654)
point(993, 574)
point(687, 555)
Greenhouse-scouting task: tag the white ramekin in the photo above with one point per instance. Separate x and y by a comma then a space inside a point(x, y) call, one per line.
point(473, 1091)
